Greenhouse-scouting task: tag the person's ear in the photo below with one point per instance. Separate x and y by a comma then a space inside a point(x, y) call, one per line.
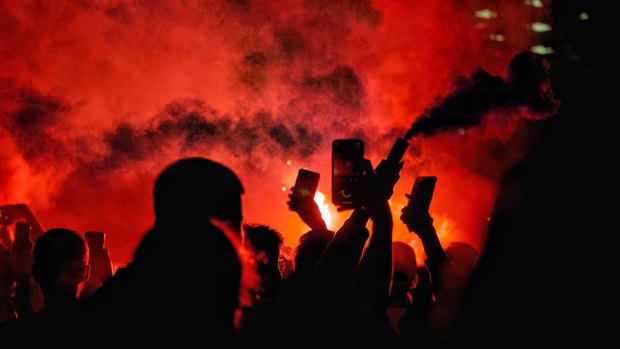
point(85, 273)
point(414, 282)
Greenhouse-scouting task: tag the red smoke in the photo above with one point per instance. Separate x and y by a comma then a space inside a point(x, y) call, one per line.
point(97, 97)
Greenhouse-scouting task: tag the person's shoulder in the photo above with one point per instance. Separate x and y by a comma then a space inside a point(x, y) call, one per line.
point(115, 287)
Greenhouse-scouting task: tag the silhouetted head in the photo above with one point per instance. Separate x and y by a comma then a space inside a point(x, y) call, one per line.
point(309, 251)
point(60, 262)
point(193, 190)
point(463, 258)
point(266, 243)
point(462, 253)
point(405, 266)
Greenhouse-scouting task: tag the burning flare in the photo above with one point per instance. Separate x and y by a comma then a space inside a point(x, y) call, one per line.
point(319, 198)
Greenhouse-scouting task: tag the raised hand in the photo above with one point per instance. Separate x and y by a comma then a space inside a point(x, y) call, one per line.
point(11, 213)
point(307, 209)
point(421, 223)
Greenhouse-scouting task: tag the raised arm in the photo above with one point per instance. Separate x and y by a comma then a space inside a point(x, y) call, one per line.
point(339, 259)
point(307, 209)
point(15, 212)
point(371, 287)
point(421, 223)
point(21, 265)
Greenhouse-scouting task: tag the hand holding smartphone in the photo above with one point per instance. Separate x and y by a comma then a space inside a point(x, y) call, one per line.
point(101, 265)
point(302, 199)
point(21, 253)
point(422, 193)
point(306, 184)
point(22, 240)
point(302, 193)
point(415, 215)
point(95, 240)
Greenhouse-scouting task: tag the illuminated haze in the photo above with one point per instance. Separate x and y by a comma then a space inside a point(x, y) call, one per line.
point(97, 97)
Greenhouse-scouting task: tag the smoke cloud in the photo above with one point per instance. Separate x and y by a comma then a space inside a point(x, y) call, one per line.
point(526, 89)
point(97, 97)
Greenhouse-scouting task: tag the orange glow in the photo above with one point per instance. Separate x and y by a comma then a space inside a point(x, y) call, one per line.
point(319, 198)
point(98, 97)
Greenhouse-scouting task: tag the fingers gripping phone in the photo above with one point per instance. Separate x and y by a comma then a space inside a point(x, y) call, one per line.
point(422, 193)
point(347, 171)
point(306, 184)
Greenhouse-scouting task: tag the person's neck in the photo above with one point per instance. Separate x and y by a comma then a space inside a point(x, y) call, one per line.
point(60, 299)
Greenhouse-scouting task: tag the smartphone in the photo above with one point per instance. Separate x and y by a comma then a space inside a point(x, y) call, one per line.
point(95, 240)
point(347, 171)
point(422, 193)
point(22, 236)
point(306, 183)
point(99, 258)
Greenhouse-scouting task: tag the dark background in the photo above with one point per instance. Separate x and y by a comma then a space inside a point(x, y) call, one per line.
point(545, 276)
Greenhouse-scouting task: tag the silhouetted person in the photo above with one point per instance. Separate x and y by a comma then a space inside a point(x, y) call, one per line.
point(454, 278)
point(21, 266)
point(12, 213)
point(19, 294)
point(403, 280)
point(428, 321)
point(100, 263)
point(463, 258)
point(7, 311)
point(185, 279)
point(345, 296)
point(421, 223)
point(312, 244)
point(332, 272)
point(370, 287)
point(266, 243)
point(60, 268)
point(261, 322)
point(276, 320)
point(308, 253)
point(413, 325)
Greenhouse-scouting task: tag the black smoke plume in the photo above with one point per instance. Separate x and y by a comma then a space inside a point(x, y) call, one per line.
point(527, 86)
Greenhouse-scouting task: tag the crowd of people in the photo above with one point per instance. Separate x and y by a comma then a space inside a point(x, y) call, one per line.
point(201, 274)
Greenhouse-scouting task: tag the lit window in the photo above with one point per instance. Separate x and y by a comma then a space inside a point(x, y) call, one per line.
point(497, 37)
point(533, 3)
point(541, 50)
point(486, 14)
point(540, 27)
